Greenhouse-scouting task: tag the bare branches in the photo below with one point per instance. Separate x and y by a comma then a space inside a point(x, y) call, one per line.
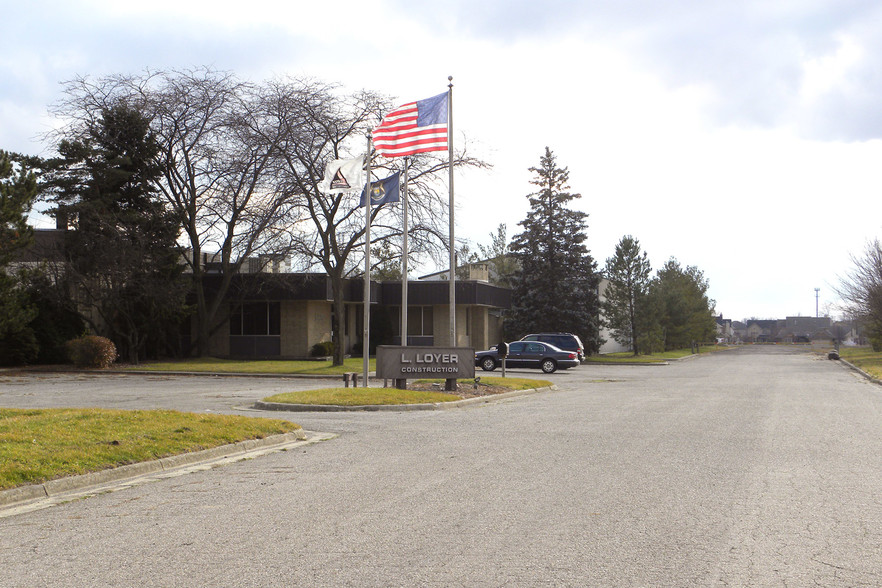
point(242, 163)
point(861, 290)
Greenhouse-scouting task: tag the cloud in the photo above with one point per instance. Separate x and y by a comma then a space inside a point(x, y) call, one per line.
point(692, 125)
point(754, 59)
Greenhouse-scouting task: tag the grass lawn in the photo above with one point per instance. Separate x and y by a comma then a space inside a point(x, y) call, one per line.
point(865, 358)
point(361, 396)
point(390, 396)
point(230, 366)
point(40, 445)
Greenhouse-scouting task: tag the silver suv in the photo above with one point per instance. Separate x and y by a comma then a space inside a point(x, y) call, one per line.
point(565, 341)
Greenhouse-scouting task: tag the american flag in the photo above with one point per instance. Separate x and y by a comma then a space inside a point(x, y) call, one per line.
point(415, 127)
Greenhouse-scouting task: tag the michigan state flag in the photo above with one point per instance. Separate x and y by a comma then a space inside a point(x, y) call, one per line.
point(383, 191)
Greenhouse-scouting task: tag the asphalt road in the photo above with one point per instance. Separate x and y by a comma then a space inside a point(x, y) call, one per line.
point(744, 468)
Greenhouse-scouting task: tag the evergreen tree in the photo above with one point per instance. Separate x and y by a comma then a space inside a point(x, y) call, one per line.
point(123, 262)
point(624, 306)
point(57, 320)
point(555, 288)
point(18, 344)
point(18, 189)
point(682, 309)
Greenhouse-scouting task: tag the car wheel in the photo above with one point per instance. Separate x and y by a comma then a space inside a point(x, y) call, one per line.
point(549, 366)
point(488, 364)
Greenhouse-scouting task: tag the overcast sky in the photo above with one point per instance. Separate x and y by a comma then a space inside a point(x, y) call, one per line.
point(739, 137)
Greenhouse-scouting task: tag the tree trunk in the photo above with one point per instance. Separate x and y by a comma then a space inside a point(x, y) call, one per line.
point(337, 318)
point(201, 348)
point(207, 310)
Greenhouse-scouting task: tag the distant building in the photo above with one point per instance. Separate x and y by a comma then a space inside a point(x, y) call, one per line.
point(793, 329)
point(276, 314)
point(762, 330)
point(804, 329)
point(479, 271)
point(725, 332)
point(48, 246)
point(739, 331)
point(283, 315)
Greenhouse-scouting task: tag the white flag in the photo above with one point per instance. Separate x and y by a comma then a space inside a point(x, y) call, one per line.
point(343, 175)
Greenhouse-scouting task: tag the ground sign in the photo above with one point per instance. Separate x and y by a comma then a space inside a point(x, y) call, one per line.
point(411, 363)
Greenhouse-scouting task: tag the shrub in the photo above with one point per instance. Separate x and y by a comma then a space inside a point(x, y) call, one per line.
point(91, 351)
point(322, 349)
point(18, 346)
point(53, 327)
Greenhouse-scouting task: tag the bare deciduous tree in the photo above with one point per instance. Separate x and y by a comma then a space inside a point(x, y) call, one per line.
point(318, 125)
point(216, 160)
point(861, 291)
point(241, 167)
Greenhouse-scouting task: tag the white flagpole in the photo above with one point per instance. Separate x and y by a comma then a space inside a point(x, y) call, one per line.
point(367, 268)
point(404, 256)
point(450, 188)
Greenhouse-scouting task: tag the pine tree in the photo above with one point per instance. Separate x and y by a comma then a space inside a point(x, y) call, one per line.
point(624, 306)
point(18, 189)
point(682, 309)
point(122, 256)
point(555, 288)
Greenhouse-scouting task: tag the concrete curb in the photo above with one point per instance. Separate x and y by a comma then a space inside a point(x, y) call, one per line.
point(371, 375)
point(65, 370)
point(70, 484)
point(873, 379)
point(281, 406)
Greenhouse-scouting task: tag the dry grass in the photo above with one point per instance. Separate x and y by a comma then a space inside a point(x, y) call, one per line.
point(37, 445)
point(865, 358)
point(361, 396)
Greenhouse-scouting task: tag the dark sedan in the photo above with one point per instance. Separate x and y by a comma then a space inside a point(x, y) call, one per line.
point(528, 354)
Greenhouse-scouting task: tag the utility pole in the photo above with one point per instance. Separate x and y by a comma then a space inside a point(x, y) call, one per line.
point(816, 302)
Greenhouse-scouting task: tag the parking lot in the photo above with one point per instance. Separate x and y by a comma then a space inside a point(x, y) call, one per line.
point(746, 468)
point(221, 393)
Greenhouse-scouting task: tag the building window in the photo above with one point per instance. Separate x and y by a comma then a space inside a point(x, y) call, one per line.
point(420, 320)
point(256, 318)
